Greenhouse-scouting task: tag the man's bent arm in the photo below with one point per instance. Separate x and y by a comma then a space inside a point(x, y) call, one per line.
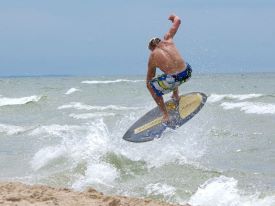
point(173, 30)
point(150, 75)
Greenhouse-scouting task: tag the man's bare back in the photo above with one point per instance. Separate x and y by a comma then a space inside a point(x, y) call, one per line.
point(167, 58)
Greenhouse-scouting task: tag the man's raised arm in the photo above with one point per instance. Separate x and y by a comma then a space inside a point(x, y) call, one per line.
point(173, 30)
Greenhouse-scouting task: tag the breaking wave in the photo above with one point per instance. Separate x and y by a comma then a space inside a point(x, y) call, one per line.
point(157, 189)
point(56, 130)
point(11, 129)
point(4, 101)
point(72, 90)
point(218, 97)
point(224, 191)
point(91, 115)
point(250, 107)
point(86, 143)
point(81, 106)
point(110, 81)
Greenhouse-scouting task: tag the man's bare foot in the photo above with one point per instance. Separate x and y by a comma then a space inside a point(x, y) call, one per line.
point(165, 118)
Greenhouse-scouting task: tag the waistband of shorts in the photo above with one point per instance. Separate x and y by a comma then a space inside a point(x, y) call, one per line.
point(187, 67)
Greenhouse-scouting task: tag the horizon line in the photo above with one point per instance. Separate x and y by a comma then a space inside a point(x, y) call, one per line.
point(116, 75)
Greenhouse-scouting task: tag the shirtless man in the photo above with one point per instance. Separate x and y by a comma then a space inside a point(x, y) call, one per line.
point(165, 56)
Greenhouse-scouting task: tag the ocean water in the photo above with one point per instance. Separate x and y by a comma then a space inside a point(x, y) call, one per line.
point(67, 131)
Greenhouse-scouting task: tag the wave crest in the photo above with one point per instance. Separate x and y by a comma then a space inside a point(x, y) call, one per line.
point(218, 97)
point(224, 191)
point(11, 129)
point(250, 107)
point(110, 81)
point(91, 115)
point(72, 90)
point(81, 106)
point(4, 101)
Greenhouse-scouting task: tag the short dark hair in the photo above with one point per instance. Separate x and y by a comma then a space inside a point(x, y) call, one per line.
point(153, 42)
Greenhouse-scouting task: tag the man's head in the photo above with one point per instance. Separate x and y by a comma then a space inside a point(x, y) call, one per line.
point(153, 43)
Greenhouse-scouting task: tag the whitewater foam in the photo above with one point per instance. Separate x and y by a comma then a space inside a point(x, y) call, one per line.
point(4, 101)
point(46, 155)
point(224, 191)
point(72, 90)
point(91, 115)
point(218, 97)
point(57, 130)
point(81, 106)
point(11, 129)
point(250, 107)
point(110, 81)
point(97, 173)
point(78, 144)
point(174, 147)
point(167, 191)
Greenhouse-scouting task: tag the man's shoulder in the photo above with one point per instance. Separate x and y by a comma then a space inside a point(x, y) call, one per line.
point(166, 43)
point(167, 40)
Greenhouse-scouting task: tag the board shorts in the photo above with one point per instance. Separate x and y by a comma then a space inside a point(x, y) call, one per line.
point(166, 83)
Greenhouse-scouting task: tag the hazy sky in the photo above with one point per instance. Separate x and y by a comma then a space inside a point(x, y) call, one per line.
point(99, 37)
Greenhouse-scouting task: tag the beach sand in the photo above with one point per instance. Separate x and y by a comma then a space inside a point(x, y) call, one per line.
point(19, 194)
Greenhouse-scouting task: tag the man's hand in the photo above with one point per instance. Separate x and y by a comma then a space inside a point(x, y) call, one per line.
point(172, 17)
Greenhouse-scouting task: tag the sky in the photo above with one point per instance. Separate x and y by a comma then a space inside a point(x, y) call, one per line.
point(100, 37)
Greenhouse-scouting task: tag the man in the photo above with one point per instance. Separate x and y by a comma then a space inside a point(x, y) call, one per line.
point(165, 56)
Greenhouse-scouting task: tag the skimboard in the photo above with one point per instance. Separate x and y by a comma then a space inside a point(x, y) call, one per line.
point(150, 126)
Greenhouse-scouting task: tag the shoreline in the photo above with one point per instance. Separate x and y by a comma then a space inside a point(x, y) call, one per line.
point(21, 194)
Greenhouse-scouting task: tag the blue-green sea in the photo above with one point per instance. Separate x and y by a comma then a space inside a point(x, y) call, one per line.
point(67, 132)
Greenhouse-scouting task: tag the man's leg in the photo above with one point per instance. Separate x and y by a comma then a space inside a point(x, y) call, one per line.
point(160, 103)
point(175, 94)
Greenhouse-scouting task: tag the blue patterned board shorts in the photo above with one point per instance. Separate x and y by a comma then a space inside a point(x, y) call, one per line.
point(166, 83)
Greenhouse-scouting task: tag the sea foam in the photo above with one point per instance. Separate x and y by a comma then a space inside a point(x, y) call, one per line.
point(218, 97)
point(224, 191)
point(11, 129)
point(86, 144)
point(250, 107)
point(81, 106)
point(97, 173)
point(4, 101)
point(110, 81)
point(91, 115)
point(56, 130)
point(157, 189)
point(46, 155)
point(72, 90)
